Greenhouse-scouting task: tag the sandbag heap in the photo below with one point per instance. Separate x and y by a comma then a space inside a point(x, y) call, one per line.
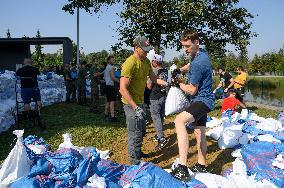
point(73, 166)
point(52, 89)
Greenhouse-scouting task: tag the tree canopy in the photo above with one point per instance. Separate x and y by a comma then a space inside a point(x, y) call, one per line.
point(88, 5)
point(218, 22)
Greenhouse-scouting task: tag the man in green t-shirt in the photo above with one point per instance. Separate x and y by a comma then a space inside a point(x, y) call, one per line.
point(133, 79)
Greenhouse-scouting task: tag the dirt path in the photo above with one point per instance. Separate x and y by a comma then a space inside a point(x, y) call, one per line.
point(218, 160)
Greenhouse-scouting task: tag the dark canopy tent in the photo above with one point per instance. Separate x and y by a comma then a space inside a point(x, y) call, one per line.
point(14, 50)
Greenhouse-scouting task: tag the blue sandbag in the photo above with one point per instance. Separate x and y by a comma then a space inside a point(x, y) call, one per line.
point(36, 141)
point(35, 182)
point(65, 160)
point(86, 168)
point(42, 167)
point(148, 175)
point(258, 157)
point(110, 170)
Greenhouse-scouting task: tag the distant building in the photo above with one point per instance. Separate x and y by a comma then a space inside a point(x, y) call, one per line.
point(14, 50)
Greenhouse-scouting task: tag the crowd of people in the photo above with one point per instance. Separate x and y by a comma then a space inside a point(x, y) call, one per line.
point(135, 76)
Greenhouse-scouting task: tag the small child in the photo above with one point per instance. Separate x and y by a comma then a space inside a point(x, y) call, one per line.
point(231, 102)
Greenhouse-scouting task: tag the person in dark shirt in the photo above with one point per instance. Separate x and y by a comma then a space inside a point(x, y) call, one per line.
point(68, 82)
point(29, 85)
point(226, 81)
point(158, 100)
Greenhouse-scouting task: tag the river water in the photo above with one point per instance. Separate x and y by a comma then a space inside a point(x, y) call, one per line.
point(266, 93)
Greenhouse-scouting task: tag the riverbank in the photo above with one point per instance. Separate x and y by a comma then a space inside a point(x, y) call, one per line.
point(265, 106)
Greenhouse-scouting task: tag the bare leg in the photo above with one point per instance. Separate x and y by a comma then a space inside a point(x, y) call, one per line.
point(182, 135)
point(201, 144)
point(106, 108)
point(112, 108)
point(27, 107)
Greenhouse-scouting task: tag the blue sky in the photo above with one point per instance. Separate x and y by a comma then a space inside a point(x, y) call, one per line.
point(97, 32)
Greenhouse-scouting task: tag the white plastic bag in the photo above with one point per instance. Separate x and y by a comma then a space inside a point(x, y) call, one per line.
point(84, 151)
point(215, 132)
point(96, 181)
point(17, 164)
point(232, 136)
point(176, 101)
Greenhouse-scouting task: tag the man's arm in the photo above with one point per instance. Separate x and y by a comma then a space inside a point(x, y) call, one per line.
point(185, 68)
point(149, 84)
point(219, 86)
point(123, 89)
point(112, 75)
point(190, 89)
point(155, 79)
point(232, 82)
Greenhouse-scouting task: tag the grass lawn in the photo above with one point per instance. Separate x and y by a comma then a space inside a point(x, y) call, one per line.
point(89, 129)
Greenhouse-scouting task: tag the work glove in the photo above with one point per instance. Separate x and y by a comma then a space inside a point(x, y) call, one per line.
point(139, 113)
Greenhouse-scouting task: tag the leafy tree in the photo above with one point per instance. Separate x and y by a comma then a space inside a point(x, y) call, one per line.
point(121, 55)
point(8, 34)
point(38, 56)
point(88, 5)
point(218, 22)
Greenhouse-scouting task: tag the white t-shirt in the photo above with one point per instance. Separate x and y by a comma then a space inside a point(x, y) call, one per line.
point(109, 81)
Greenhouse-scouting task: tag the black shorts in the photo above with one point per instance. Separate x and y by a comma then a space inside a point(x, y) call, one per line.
point(240, 92)
point(28, 94)
point(110, 93)
point(199, 111)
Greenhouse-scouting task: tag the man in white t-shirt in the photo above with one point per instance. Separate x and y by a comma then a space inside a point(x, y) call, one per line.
point(110, 89)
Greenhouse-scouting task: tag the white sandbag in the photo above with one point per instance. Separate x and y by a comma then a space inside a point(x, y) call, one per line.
point(267, 138)
point(244, 113)
point(84, 151)
point(239, 167)
point(213, 123)
point(232, 136)
point(213, 180)
point(237, 154)
point(96, 181)
point(215, 132)
point(243, 181)
point(176, 101)
point(269, 124)
point(279, 161)
point(17, 164)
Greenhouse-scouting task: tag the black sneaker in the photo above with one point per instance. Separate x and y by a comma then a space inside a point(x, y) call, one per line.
point(181, 173)
point(155, 138)
point(162, 143)
point(199, 168)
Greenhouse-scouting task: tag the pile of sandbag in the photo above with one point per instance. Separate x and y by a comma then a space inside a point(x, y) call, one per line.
point(52, 90)
point(73, 166)
point(233, 130)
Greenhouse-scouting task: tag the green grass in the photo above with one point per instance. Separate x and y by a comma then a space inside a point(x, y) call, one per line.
point(87, 129)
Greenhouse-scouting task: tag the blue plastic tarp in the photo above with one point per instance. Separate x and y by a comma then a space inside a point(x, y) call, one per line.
point(258, 157)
